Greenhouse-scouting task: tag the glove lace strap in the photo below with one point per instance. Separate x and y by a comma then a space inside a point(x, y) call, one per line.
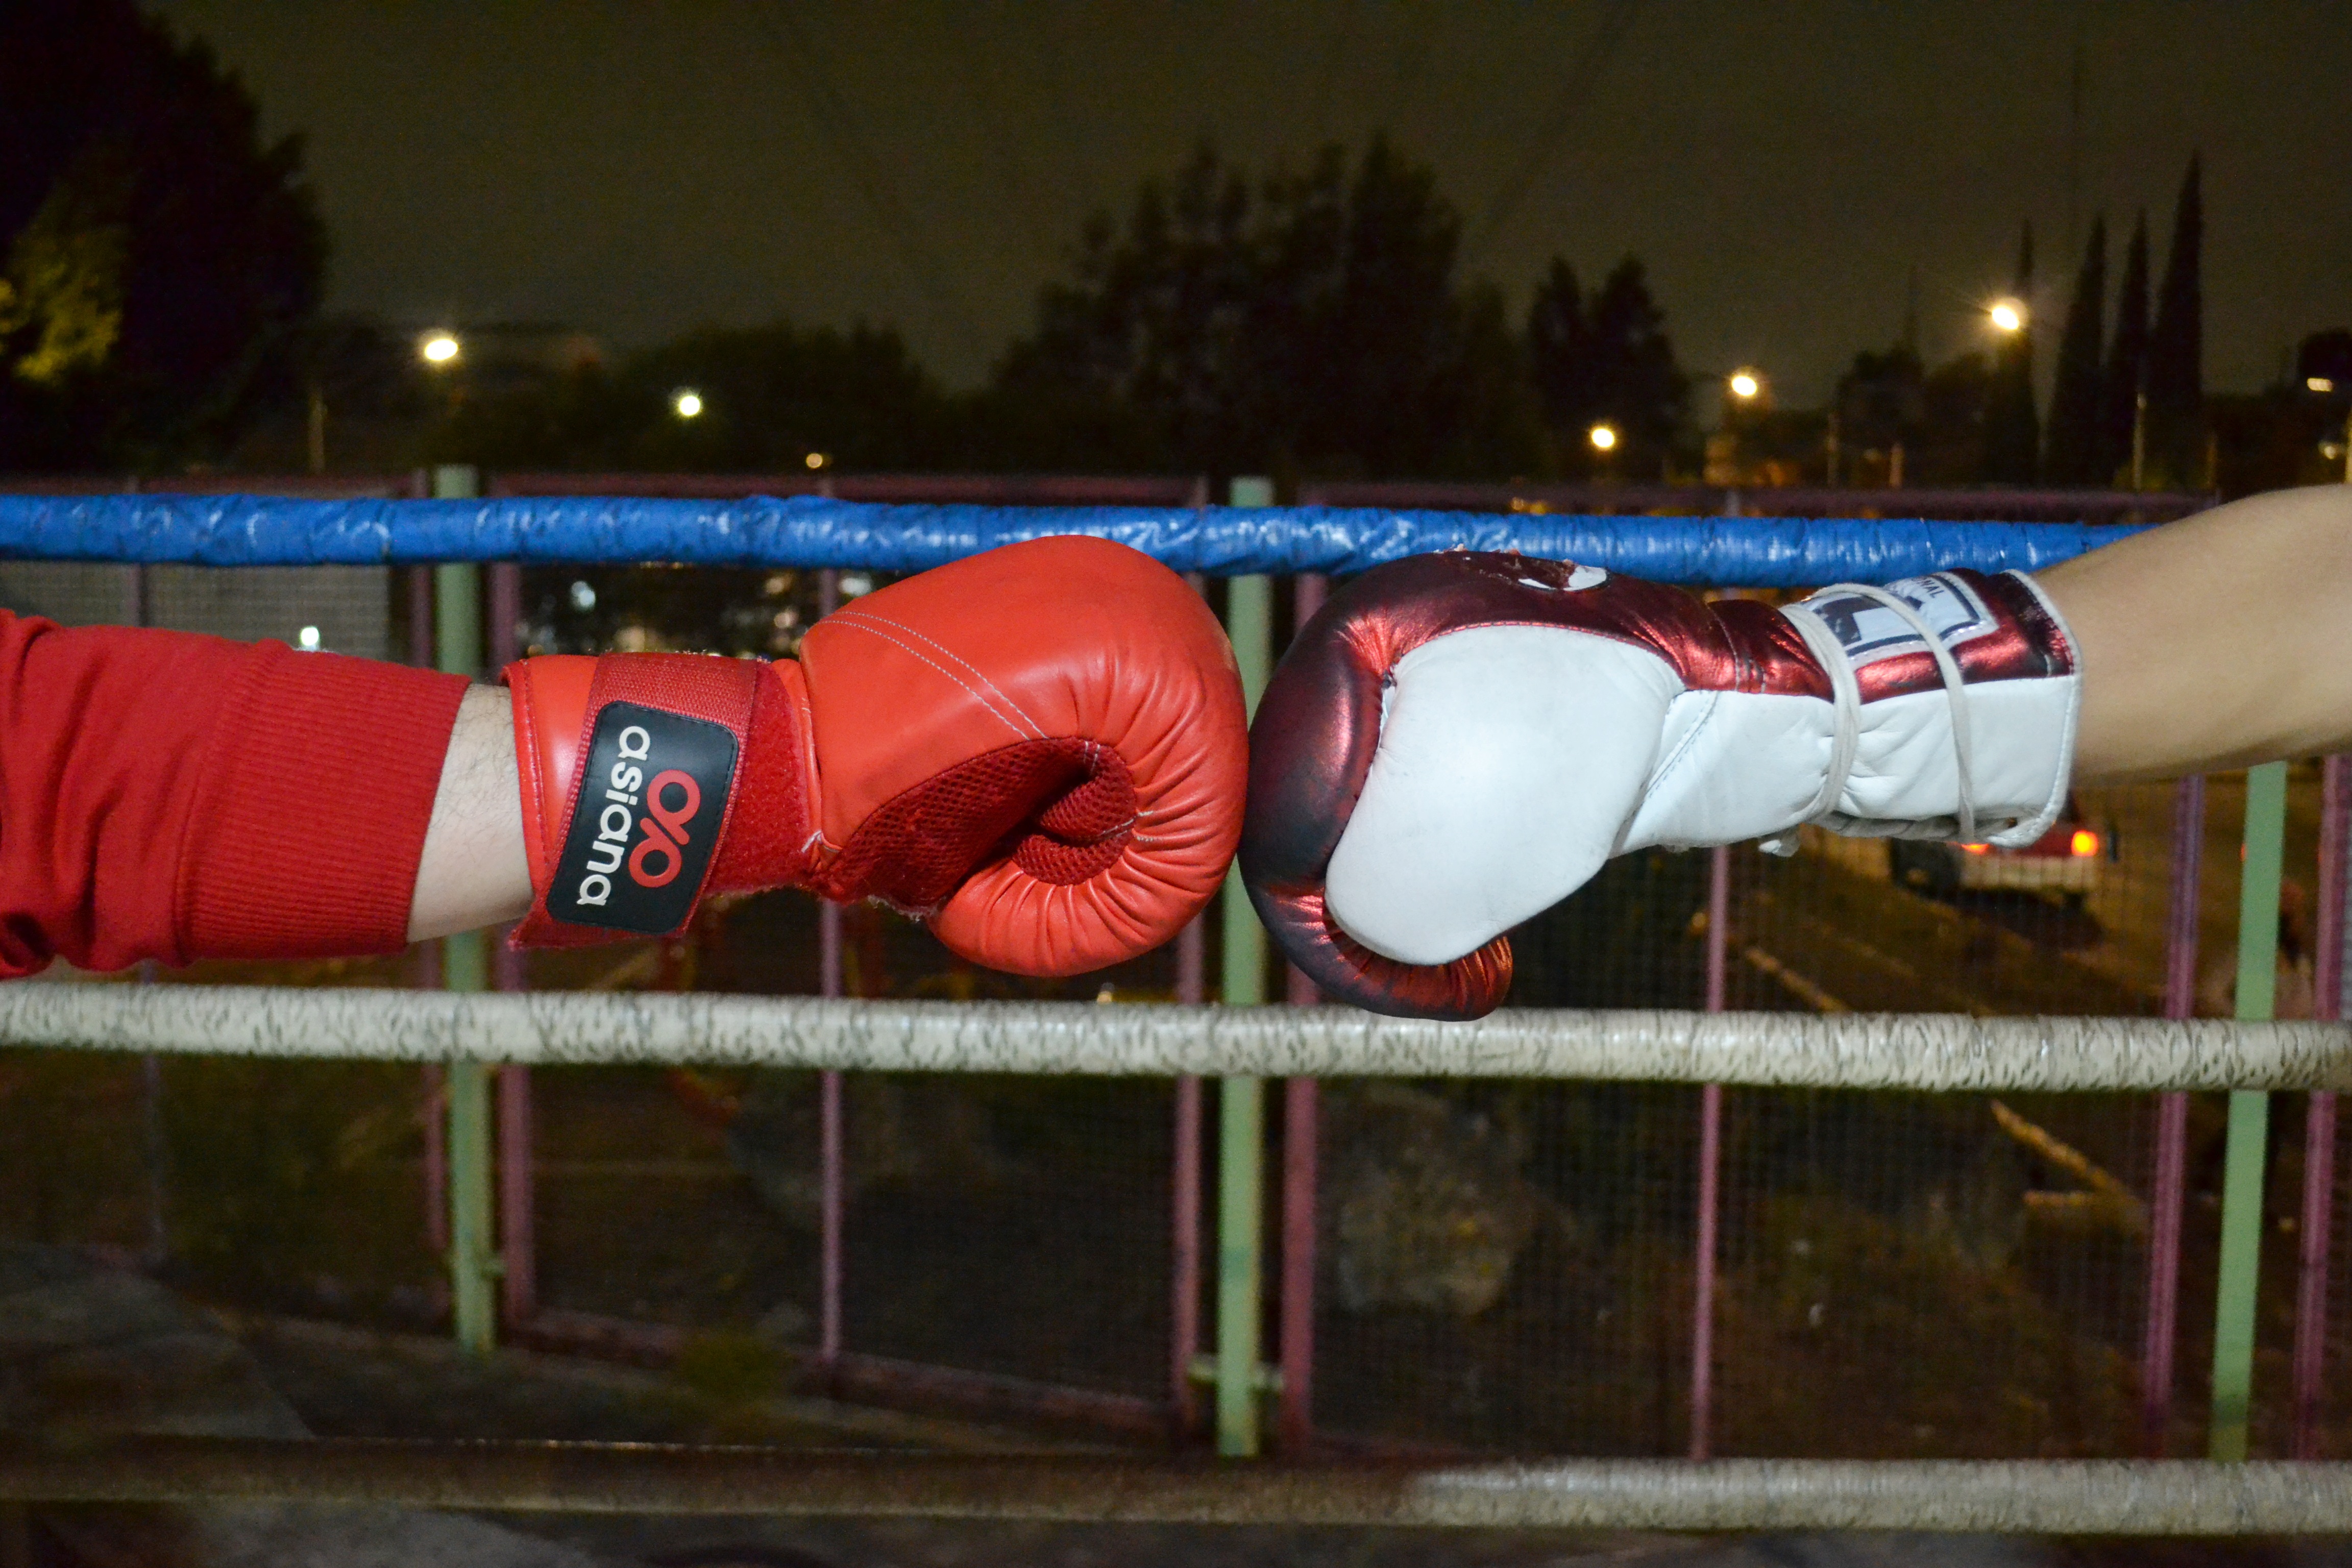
point(1845, 698)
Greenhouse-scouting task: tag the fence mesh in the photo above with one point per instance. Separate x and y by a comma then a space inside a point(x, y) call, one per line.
point(1505, 1267)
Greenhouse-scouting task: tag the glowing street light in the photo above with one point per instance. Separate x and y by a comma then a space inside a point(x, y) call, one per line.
point(686, 403)
point(438, 348)
point(817, 459)
point(2318, 383)
point(1604, 437)
point(2007, 316)
point(1746, 385)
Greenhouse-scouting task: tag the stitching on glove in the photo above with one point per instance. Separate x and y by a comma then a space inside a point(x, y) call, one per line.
point(1682, 751)
point(979, 695)
point(858, 617)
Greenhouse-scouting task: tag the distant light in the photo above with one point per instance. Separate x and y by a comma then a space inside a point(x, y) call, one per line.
point(1977, 849)
point(2083, 844)
point(584, 597)
point(856, 585)
point(2006, 315)
point(306, 639)
point(438, 348)
point(817, 459)
point(686, 403)
point(1602, 437)
point(1745, 383)
point(2318, 383)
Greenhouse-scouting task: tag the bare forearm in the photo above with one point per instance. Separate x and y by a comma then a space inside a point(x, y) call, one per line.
point(2215, 642)
point(473, 871)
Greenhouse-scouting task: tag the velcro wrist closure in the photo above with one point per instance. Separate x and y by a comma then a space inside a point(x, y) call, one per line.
point(663, 744)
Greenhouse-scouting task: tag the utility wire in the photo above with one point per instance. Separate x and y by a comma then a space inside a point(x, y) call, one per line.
point(1012, 170)
point(1334, 49)
point(1413, 54)
point(782, 23)
point(1575, 91)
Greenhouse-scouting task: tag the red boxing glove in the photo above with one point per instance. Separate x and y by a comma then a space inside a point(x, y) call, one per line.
point(1040, 749)
point(1458, 741)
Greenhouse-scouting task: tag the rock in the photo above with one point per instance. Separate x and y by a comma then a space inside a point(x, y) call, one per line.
point(1424, 1208)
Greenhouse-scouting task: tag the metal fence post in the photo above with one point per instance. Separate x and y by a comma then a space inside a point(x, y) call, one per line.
point(1301, 1133)
point(2241, 1190)
point(1710, 1167)
point(2167, 1181)
point(432, 1099)
point(465, 964)
point(832, 1152)
point(517, 1162)
point(2317, 1224)
point(1241, 1100)
point(1184, 1176)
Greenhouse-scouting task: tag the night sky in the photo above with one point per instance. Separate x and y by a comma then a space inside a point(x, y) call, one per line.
point(636, 168)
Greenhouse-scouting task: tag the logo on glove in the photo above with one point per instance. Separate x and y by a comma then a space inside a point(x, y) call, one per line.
point(639, 841)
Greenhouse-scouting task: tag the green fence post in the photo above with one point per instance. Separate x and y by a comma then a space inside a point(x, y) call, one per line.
point(2241, 1186)
point(1249, 621)
point(466, 967)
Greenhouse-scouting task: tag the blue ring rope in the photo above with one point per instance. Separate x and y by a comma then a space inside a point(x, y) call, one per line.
point(816, 532)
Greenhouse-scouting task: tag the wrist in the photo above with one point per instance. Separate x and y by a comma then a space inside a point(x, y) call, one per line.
point(649, 781)
point(1977, 744)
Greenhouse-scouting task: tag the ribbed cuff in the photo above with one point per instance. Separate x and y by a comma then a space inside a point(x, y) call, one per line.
point(318, 789)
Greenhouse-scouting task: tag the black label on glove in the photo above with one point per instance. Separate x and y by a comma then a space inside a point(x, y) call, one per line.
point(651, 799)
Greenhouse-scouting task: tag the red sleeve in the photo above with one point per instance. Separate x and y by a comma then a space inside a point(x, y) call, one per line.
point(173, 796)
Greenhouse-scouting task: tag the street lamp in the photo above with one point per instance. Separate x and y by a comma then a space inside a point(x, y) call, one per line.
point(438, 348)
point(686, 403)
point(2006, 315)
point(1746, 386)
point(1604, 437)
point(816, 460)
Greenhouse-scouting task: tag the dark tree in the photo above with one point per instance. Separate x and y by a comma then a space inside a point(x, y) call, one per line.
point(2176, 349)
point(159, 259)
point(1957, 396)
point(1313, 323)
point(1882, 400)
point(1559, 355)
point(2323, 364)
point(2071, 454)
point(2125, 380)
point(770, 397)
point(1606, 361)
point(2011, 432)
point(1643, 391)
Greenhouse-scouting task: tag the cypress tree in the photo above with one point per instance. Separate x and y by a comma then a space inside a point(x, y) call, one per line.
point(1559, 353)
point(2012, 431)
point(2069, 453)
point(2126, 372)
point(2176, 349)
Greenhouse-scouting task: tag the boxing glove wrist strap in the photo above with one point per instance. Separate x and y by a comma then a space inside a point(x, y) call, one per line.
point(636, 770)
point(2036, 736)
point(1845, 698)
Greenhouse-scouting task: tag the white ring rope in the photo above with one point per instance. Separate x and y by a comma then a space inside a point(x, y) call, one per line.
point(1859, 1051)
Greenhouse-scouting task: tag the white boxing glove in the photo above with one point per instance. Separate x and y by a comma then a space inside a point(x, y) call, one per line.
point(1458, 741)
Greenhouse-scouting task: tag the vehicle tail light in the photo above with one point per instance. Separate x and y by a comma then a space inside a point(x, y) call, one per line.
point(2084, 844)
point(1977, 849)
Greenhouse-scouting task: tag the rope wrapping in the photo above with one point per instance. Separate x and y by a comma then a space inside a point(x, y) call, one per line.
point(1853, 1050)
point(812, 531)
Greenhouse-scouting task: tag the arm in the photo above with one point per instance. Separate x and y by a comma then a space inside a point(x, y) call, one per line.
point(2215, 642)
point(170, 796)
point(1039, 749)
point(472, 871)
